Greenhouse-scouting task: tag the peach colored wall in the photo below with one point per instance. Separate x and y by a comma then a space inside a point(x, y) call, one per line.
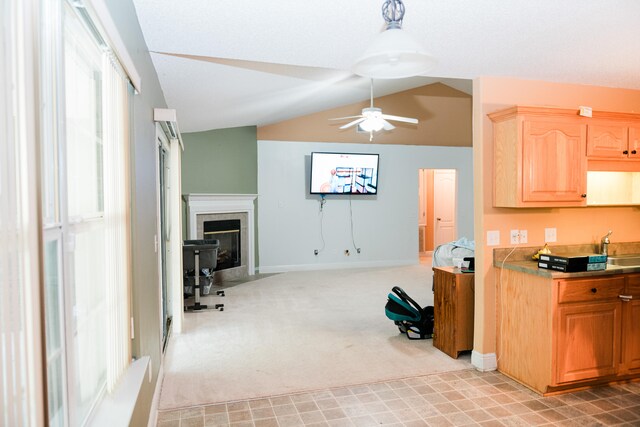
point(574, 225)
point(444, 114)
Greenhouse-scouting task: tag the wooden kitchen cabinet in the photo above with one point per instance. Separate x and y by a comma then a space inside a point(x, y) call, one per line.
point(634, 142)
point(561, 334)
point(631, 330)
point(542, 155)
point(613, 141)
point(588, 341)
point(539, 158)
point(588, 328)
point(453, 295)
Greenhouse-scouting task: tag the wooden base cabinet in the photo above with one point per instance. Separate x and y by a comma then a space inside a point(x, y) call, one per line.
point(556, 335)
point(453, 295)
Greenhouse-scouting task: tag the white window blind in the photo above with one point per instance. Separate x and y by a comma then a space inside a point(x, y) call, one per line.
point(67, 234)
point(116, 213)
point(21, 371)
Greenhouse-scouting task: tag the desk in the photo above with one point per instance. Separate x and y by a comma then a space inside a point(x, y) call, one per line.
point(453, 296)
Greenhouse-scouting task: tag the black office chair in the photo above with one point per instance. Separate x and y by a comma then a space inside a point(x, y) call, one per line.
point(199, 259)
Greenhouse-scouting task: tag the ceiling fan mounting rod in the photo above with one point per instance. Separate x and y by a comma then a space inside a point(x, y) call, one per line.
point(371, 86)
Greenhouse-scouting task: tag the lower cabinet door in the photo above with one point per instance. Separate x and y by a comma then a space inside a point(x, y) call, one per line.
point(631, 326)
point(588, 344)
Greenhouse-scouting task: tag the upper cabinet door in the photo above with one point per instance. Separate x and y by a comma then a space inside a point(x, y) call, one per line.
point(607, 141)
point(634, 142)
point(553, 162)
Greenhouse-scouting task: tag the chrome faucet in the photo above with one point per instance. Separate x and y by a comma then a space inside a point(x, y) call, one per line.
point(604, 244)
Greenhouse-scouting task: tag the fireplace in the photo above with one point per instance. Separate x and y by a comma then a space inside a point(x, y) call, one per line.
point(229, 219)
point(229, 235)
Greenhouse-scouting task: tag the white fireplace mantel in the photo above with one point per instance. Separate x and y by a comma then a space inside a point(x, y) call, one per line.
point(203, 204)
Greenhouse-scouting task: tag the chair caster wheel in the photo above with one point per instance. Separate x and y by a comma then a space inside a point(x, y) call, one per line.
point(220, 293)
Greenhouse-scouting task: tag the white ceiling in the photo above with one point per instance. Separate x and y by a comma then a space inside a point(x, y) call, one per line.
point(256, 62)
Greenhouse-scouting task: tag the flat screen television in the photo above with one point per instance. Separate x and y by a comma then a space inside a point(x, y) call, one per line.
point(344, 173)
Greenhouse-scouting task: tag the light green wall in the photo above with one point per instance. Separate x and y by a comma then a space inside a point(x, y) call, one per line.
point(222, 161)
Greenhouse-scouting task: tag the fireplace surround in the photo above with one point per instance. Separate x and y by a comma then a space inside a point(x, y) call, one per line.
point(203, 208)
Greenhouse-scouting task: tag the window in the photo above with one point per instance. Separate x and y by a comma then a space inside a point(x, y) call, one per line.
point(64, 216)
point(85, 214)
point(20, 369)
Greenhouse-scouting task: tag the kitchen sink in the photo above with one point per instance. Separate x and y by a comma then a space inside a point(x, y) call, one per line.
point(624, 260)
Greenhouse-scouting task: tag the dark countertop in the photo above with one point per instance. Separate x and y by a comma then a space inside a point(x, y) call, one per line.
point(520, 260)
point(531, 267)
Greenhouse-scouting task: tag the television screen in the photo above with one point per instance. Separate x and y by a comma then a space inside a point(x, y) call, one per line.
point(344, 173)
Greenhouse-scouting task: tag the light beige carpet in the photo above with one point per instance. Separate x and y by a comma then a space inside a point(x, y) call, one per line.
point(296, 332)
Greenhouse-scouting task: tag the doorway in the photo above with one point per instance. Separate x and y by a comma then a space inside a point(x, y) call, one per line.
point(436, 210)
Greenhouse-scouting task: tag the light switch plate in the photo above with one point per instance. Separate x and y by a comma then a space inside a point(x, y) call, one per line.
point(550, 235)
point(493, 238)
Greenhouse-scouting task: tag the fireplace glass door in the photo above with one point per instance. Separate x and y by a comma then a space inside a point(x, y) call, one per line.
point(227, 232)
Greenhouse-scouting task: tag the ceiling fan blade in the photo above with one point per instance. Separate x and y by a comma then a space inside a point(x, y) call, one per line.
point(400, 119)
point(355, 122)
point(347, 117)
point(388, 126)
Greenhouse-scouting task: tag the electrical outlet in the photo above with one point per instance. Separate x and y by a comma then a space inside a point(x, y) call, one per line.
point(493, 238)
point(346, 252)
point(523, 236)
point(315, 252)
point(358, 250)
point(550, 235)
point(514, 237)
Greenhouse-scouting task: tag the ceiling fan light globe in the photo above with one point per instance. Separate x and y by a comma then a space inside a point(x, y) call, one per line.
point(394, 54)
point(372, 124)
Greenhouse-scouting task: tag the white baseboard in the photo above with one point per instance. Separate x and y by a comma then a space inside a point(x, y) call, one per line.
point(155, 403)
point(484, 362)
point(334, 266)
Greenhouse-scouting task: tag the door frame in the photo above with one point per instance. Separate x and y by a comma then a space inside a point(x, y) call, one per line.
point(174, 150)
point(161, 144)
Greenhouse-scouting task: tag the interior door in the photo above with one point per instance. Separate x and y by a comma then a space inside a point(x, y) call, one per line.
point(444, 206)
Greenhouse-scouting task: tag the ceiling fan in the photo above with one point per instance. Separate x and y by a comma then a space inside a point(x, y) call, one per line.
point(373, 120)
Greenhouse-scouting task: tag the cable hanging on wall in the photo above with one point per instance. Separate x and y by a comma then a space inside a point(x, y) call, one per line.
point(321, 215)
point(353, 240)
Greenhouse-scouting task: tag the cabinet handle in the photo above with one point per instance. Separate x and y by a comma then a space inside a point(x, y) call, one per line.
point(583, 195)
point(633, 151)
point(625, 152)
point(625, 298)
point(594, 290)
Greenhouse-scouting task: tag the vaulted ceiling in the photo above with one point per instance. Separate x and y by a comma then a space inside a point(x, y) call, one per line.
point(257, 62)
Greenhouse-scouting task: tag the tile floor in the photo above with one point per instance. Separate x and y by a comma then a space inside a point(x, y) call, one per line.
point(457, 398)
